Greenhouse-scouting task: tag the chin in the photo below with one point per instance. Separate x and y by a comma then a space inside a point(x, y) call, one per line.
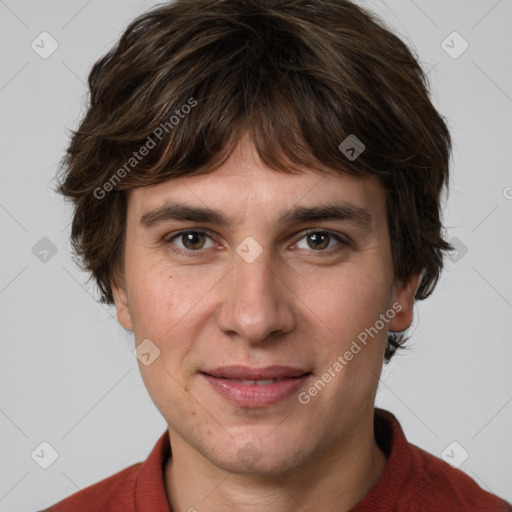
point(257, 457)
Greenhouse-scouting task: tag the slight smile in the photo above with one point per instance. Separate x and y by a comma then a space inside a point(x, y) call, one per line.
point(256, 387)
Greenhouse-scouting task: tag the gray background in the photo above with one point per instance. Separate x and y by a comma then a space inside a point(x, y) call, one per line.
point(68, 374)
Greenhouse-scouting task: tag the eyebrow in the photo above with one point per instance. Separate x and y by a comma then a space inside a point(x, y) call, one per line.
point(174, 211)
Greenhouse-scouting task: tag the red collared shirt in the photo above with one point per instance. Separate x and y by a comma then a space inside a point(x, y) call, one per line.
point(413, 481)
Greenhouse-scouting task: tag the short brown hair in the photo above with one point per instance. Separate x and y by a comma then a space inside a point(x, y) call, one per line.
point(297, 76)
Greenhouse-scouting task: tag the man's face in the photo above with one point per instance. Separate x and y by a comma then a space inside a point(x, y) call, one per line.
point(249, 315)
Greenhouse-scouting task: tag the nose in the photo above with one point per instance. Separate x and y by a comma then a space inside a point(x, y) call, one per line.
point(256, 301)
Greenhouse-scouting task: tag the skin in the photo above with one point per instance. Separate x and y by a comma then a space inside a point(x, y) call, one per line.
point(294, 305)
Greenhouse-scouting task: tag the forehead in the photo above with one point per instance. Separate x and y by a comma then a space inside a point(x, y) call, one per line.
point(244, 183)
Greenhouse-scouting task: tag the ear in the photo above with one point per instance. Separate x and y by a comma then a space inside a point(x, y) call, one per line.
point(122, 306)
point(404, 295)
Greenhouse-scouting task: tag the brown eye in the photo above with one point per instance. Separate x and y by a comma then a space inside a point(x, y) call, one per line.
point(322, 241)
point(318, 240)
point(193, 240)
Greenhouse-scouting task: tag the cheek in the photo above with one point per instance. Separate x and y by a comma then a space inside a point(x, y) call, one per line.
point(151, 285)
point(152, 304)
point(349, 301)
point(153, 301)
point(168, 305)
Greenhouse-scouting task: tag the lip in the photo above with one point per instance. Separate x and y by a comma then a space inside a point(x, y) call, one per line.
point(236, 384)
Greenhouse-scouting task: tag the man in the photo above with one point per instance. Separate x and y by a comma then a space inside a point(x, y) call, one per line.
point(257, 189)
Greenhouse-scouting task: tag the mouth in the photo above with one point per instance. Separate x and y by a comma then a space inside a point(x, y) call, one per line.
point(256, 387)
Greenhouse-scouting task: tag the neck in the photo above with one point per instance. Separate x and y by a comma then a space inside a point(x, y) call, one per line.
point(334, 481)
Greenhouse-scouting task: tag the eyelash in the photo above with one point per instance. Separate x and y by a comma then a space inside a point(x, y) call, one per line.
point(344, 242)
